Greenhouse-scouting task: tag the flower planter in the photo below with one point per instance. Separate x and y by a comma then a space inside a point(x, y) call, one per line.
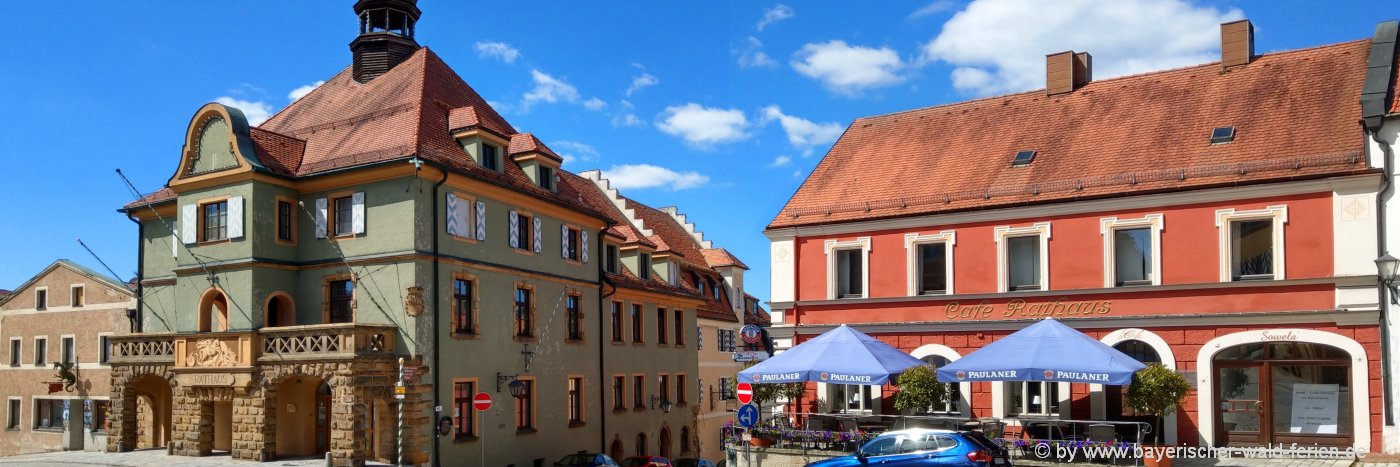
point(760, 442)
point(1155, 456)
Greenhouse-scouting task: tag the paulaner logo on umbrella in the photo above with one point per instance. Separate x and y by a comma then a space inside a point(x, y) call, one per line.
point(823, 376)
point(1049, 374)
point(962, 374)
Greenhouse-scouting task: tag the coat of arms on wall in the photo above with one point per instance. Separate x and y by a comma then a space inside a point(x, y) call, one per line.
point(413, 302)
point(213, 353)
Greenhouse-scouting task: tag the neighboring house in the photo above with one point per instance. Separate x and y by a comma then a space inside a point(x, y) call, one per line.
point(1219, 219)
point(389, 215)
point(679, 256)
point(64, 314)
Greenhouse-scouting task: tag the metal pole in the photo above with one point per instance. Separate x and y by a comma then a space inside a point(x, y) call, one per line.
point(482, 436)
point(399, 457)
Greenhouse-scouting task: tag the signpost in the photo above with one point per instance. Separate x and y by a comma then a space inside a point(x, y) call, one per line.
point(750, 333)
point(744, 392)
point(481, 401)
point(748, 415)
point(750, 356)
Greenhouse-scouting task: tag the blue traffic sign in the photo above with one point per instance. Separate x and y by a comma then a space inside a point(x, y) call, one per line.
point(748, 415)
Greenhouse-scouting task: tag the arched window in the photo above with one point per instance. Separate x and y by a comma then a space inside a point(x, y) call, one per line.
point(664, 442)
point(952, 404)
point(685, 440)
point(616, 450)
point(1116, 397)
point(213, 312)
point(279, 310)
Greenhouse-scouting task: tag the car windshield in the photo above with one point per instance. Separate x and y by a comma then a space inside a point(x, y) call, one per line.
point(982, 440)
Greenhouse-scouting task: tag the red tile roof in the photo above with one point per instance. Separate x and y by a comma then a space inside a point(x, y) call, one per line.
point(670, 236)
point(594, 197)
point(525, 143)
point(1296, 115)
point(156, 197)
point(720, 257)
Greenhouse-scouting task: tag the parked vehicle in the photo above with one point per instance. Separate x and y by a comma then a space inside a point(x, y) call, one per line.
point(586, 459)
point(646, 461)
point(924, 447)
point(692, 462)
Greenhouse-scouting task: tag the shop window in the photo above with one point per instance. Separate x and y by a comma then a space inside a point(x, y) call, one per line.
point(953, 404)
point(341, 295)
point(850, 398)
point(574, 317)
point(101, 409)
point(48, 414)
point(617, 321)
point(575, 401)
point(1032, 398)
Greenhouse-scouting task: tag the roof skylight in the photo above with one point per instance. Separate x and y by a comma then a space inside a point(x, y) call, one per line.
point(1223, 134)
point(1023, 158)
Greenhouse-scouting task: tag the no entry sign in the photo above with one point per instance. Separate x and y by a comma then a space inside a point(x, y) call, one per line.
point(481, 401)
point(744, 392)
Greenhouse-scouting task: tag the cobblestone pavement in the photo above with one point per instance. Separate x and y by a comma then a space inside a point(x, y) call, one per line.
point(147, 457)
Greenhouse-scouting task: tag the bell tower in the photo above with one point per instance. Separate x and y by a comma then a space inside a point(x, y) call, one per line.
point(386, 36)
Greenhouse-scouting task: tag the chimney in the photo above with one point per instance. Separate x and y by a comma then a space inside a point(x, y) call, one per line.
point(1236, 43)
point(386, 36)
point(1067, 71)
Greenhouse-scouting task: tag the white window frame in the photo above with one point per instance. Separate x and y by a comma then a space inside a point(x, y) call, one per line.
point(45, 353)
point(12, 413)
point(104, 349)
point(964, 388)
point(870, 406)
point(1107, 227)
point(74, 288)
point(63, 341)
point(831, 247)
point(1001, 394)
point(1001, 233)
point(16, 351)
point(912, 242)
point(1223, 219)
point(48, 299)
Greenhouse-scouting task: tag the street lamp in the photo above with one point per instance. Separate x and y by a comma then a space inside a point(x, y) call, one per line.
point(665, 404)
point(518, 389)
point(1388, 268)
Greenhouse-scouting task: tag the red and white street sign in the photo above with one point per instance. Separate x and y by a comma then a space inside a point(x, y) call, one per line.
point(481, 401)
point(744, 391)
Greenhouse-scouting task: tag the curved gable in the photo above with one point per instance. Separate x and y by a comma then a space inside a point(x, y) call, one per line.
point(217, 143)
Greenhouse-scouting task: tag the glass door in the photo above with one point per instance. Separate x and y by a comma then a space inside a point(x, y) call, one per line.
point(1244, 419)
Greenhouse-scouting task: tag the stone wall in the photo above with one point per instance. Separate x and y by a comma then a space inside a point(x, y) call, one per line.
point(125, 431)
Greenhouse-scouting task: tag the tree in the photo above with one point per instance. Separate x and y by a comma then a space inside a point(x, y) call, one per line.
point(1157, 391)
point(919, 389)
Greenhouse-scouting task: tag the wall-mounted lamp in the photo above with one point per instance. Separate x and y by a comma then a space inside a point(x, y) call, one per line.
point(501, 379)
point(1387, 269)
point(665, 404)
point(518, 389)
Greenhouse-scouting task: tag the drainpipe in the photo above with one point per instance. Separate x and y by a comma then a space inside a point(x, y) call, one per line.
point(140, 270)
point(603, 381)
point(437, 298)
point(1382, 291)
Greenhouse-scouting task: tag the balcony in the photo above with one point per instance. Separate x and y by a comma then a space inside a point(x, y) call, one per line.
point(136, 349)
point(326, 342)
point(198, 352)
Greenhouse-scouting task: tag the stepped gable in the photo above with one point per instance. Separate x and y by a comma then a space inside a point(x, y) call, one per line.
point(1296, 116)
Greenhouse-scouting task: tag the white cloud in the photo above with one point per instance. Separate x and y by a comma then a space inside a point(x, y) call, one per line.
point(849, 69)
point(302, 91)
point(640, 82)
point(775, 14)
point(626, 119)
point(639, 176)
point(938, 6)
point(594, 104)
point(574, 151)
point(803, 134)
point(255, 111)
point(548, 89)
point(702, 126)
point(781, 161)
point(999, 46)
point(751, 55)
point(498, 50)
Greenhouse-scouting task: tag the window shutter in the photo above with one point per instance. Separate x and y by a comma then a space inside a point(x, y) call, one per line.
point(514, 230)
point(452, 216)
point(235, 217)
point(539, 227)
point(188, 222)
point(357, 213)
point(320, 218)
point(583, 249)
point(564, 241)
point(174, 241)
point(481, 220)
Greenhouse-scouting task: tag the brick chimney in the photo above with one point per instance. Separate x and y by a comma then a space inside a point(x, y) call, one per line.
point(1067, 71)
point(1236, 43)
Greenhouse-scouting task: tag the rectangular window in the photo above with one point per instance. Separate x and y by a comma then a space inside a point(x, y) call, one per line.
point(573, 252)
point(663, 387)
point(680, 389)
point(68, 350)
point(215, 221)
point(1252, 249)
point(522, 231)
point(41, 351)
point(342, 296)
point(100, 410)
point(726, 391)
point(462, 300)
point(574, 317)
point(464, 416)
point(523, 325)
point(850, 274)
point(284, 221)
point(15, 351)
point(660, 325)
point(637, 324)
point(851, 398)
point(726, 340)
point(525, 408)
point(104, 349)
point(639, 391)
point(343, 213)
point(575, 401)
point(1023, 263)
point(611, 259)
point(619, 394)
point(1032, 398)
point(41, 299)
point(1132, 256)
point(12, 416)
point(933, 268)
point(644, 266)
point(489, 157)
point(546, 177)
point(616, 316)
point(680, 327)
point(699, 338)
point(76, 296)
point(48, 414)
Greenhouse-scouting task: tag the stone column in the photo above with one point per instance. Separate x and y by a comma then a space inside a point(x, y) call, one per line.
point(193, 431)
point(348, 417)
point(250, 426)
point(123, 434)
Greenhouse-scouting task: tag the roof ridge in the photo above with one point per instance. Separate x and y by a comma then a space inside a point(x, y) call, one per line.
point(689, 227)
point(603, 184)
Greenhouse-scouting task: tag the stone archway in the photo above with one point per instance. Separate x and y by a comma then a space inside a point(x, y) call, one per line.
point(152, 411)
point(279, 310)
point(141, 414)
point(1098, 401)
point(302, 416)
point(213, 311)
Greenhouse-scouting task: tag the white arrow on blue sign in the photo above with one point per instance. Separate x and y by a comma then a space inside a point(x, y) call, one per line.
point(748, 415)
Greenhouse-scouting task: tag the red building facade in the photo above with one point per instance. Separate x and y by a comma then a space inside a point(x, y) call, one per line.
point(1218, 219)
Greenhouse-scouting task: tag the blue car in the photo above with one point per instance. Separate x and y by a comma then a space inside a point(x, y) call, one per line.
point(924, 447)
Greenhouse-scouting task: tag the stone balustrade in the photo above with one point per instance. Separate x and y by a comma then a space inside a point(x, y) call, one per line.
point(134, 349)
point(326, 342)
point(244, 349)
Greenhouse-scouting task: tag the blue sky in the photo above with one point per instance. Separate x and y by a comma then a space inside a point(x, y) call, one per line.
point(720, 108)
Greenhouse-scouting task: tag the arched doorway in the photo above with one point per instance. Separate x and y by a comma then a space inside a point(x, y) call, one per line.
point(152, 411)
point(615, 451)
point(303, 416)
point(213, 311)
point(1283, 393)
point(685, 440)
point(1116, 397)
point(279, 310)
point(663, 447)
point(938, 355)
point(641, 446)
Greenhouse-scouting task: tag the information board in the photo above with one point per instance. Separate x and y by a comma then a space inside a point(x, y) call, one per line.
point(1314, 408)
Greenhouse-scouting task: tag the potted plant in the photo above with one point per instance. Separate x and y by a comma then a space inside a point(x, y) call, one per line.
point(1157, 391)
point(919, 390)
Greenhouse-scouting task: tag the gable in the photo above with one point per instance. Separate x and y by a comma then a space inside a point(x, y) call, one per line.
point(217, 143)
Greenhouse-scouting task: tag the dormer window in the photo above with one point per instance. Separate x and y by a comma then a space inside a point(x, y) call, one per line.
point(490, 157)
point(644, 266)
point(545, 175)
